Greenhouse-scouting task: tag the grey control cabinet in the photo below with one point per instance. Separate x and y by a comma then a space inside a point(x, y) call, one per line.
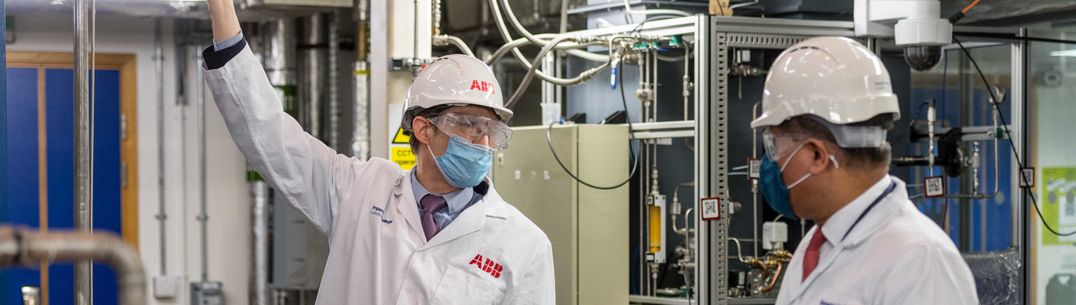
point(588, 227)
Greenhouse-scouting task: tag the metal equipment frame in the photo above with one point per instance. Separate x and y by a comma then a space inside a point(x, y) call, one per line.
point(714, 37)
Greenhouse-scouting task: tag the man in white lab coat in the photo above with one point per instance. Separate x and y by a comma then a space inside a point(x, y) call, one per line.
point(827, 106)
point(438, 234)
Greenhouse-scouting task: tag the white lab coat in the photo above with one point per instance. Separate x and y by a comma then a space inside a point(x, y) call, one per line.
point(378, 254)
point(895, 255)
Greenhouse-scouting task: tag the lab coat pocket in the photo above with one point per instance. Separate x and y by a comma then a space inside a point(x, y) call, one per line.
point(466, 286)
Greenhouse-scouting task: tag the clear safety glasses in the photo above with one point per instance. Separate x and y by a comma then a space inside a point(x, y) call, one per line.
point(474, 128)
point(776, 145)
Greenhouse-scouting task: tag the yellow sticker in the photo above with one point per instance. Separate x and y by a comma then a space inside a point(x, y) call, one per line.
point(400, 137)
point(403, 156)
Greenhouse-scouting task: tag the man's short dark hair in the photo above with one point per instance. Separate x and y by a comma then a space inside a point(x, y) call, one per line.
point(854, 158)
point(428, 113)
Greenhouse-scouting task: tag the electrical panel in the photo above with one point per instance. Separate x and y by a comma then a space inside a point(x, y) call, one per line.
point(207, 293)
point(588, 227)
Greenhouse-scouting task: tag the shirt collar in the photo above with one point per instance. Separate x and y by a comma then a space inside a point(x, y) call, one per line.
point(457, 200)
point(841, 221)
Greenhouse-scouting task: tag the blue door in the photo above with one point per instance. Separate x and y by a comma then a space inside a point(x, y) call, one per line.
point(40, 173)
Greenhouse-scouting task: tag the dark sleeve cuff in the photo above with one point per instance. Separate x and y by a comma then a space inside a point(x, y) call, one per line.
point(216, 59)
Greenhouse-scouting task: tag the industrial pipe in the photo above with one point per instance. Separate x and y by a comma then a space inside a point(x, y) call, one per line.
point(158, 66)
point(260, 192)
point(83, 48)
point(311, 73)
point(334, 83)
point(203, 215)
point(30, 248)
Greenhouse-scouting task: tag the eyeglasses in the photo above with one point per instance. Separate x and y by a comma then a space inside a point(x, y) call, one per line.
point(472, 127)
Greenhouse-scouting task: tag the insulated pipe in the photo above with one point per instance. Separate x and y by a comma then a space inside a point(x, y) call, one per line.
point(83, 174)
point(360, 133)
point(334, 94)
point(312, 81)
point(279, 54)
point(360, 109)
point(30, 248)
point(436, 10)
point(362, 10)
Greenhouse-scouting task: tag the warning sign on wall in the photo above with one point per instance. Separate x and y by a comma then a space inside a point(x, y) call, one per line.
point(400, 150)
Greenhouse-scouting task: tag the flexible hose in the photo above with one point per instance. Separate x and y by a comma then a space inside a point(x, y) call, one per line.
point(503, 29)
point(531, 71)
point(542, 42)
point(456, 42)
point(519, 42)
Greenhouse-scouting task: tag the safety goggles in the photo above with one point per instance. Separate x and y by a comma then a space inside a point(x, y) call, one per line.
point(474, 128)
point(776, 145)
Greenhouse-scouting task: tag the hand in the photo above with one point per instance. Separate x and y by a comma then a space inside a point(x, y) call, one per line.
point(225, 21)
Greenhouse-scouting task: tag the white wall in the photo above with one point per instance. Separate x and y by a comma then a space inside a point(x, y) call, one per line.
point(227, 191)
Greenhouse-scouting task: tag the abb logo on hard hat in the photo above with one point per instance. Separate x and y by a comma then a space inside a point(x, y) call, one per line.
point(483, 86)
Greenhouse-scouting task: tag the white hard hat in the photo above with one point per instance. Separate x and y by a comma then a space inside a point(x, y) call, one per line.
point(833, 78)
point(454, 80)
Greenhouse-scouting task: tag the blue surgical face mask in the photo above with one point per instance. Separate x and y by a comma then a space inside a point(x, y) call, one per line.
point(773, 186)
point(464, 164)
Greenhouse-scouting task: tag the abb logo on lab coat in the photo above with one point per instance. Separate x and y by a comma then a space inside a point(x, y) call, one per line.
point(487, 265)
point(481, 85)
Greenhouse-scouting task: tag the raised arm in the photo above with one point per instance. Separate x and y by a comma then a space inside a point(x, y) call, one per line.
point(309, 174)
point(225, 21)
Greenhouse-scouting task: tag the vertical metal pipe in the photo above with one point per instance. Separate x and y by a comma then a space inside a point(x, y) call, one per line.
point(360, 132)
point(334, 95)
point(158, 57)
point(313, 84)
point(279, 60)
point(379, 76)
point(203, 216)
point(261, 241)
point(83, 176)
point(1018, 70)
point(964, 210)
point(754, 182)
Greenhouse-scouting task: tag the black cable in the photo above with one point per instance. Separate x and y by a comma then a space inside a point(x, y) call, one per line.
point(1005, 126)
point(631, 133)
point(1014, 37)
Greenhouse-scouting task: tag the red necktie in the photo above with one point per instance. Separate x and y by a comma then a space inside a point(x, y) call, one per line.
point(810, 258)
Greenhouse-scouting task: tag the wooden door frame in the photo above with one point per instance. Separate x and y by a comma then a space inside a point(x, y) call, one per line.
point(126, 64)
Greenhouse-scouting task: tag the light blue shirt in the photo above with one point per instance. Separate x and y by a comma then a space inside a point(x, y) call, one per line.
point(456, 202)
point(227, 43)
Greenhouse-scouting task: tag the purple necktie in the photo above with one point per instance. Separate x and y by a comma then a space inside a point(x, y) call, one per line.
point(431, 203)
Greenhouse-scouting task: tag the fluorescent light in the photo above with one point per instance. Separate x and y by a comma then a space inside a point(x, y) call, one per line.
point(1067, 53)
